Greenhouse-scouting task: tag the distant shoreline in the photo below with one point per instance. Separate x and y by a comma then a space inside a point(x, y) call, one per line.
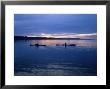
point(45, 38)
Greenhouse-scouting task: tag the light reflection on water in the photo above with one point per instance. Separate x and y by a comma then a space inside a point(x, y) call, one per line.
point(56, 69)
point(52, 60)
point(77, 42)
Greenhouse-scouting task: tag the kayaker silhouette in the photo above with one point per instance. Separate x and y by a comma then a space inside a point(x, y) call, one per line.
point(65, 44)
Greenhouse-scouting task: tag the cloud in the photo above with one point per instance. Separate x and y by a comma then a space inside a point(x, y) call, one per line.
point(27, 24)
point(66, 35)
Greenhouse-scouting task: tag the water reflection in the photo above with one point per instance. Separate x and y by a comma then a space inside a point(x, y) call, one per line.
point(88, 43)
point(56, 70)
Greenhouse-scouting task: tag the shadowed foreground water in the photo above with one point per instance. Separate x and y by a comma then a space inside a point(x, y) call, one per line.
point(52, 60)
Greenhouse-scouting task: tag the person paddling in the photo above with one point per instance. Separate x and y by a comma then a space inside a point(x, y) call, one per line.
point(65, 44)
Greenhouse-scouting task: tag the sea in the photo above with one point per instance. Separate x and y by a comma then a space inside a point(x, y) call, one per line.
point(52, 60)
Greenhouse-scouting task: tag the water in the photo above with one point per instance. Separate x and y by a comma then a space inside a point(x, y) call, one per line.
point(52, 60)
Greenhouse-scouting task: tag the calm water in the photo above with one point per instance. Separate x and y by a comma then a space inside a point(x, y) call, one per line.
point(53, 60)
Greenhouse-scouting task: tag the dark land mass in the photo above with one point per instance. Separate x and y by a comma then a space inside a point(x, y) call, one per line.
point(45, 38)
point(41, 38)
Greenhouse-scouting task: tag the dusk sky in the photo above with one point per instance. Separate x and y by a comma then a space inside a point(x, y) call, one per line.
point(56, 25)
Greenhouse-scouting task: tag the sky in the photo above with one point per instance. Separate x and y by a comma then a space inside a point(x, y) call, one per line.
point(56, 25)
